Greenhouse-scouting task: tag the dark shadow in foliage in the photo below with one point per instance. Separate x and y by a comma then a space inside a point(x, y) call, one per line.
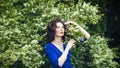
point(18, 64)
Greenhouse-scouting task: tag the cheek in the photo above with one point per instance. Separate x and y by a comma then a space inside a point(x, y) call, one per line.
point(64, 30)
point(57, 31)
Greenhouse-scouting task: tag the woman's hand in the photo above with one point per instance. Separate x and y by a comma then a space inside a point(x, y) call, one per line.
point(70, 43)
point(87, 35)
point(71, 22)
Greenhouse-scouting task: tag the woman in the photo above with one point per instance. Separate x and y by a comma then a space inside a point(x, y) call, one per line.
point(59, 53)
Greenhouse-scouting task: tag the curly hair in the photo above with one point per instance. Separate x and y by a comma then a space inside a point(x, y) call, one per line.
point(51, 29)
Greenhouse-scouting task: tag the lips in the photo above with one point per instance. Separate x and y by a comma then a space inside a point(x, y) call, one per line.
point(61, 32)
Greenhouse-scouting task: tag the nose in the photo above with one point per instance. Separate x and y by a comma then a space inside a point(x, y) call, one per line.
point(61, 29)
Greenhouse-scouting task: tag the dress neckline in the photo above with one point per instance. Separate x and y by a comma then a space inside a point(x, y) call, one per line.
point(58, 48)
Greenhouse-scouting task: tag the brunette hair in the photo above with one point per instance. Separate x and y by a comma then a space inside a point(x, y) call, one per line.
point(51, 29)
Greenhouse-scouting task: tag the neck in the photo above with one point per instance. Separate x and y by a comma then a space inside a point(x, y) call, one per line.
point(58, 43)
point(58, 40)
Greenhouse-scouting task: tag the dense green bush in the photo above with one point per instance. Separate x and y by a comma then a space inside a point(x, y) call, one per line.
point(93, 54)
point(22, 33)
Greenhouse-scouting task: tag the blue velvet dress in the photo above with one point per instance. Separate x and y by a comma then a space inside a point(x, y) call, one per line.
point(54, 53)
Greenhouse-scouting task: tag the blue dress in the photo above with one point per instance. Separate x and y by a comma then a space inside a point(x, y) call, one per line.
point(54, 53)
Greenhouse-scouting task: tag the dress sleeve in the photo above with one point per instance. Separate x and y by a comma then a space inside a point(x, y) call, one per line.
point(83, 40)
point(51, 55)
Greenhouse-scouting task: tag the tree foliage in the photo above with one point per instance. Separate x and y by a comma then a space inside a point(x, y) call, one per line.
point(22, 33)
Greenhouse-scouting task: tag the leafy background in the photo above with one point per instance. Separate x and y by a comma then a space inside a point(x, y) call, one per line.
point(22, 33)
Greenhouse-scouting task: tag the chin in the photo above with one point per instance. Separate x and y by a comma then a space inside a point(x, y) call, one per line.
point(61, 35)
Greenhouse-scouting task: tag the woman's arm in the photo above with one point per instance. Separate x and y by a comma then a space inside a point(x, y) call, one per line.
point(87, 35)
point(63, 57)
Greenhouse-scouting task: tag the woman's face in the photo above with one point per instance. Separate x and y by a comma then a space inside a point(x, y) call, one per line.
point(59, 31)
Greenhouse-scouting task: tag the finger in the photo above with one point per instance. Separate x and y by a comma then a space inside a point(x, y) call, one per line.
point(72, 40)
point(69, 22)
